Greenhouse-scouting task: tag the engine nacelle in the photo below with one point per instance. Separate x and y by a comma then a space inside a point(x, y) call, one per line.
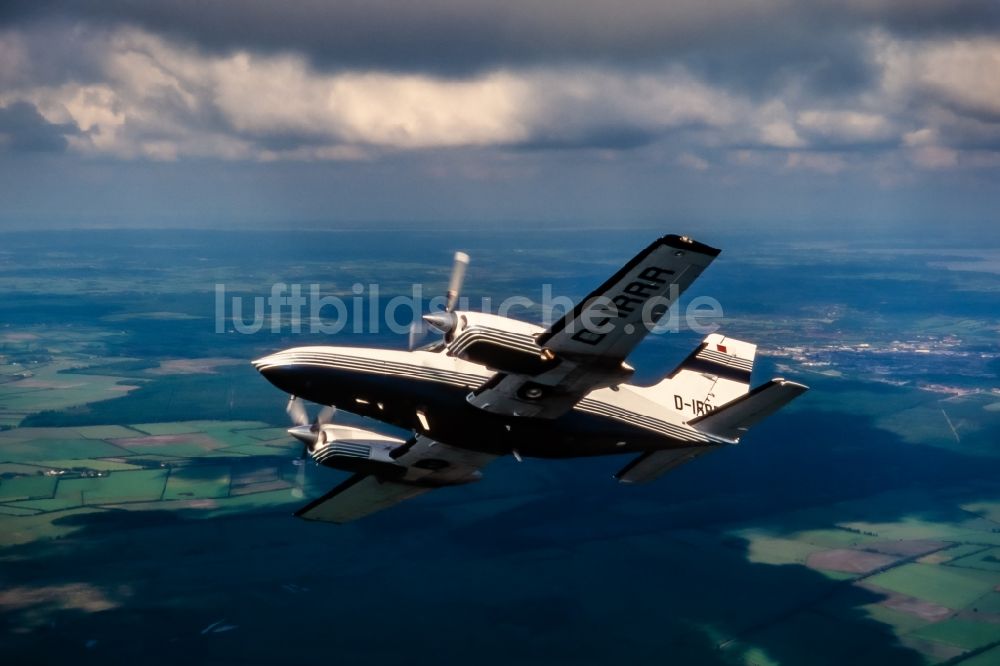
point(503, 344)
point(354, 450)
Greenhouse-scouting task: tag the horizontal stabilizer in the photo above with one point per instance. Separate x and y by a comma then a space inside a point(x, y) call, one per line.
point(734, 418)
point(360, 495)
point(652, 464)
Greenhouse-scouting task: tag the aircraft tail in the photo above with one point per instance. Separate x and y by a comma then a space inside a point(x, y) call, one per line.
point(716, 372)
point(711, 390)
point(729, 422)
point(733, 419)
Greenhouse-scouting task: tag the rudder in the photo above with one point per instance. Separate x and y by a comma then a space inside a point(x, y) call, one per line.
point(716, 372)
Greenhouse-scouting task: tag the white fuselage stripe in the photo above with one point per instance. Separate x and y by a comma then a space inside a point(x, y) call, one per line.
point(396, 369)
point(731, 361)
point(514, 341)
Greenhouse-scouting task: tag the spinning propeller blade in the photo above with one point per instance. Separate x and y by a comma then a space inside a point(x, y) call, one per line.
point(297, 411)
point(325, 415)
point(417, 333)
point(311, 435)
point(443, 322)
point(457, 277)
point(299, 489)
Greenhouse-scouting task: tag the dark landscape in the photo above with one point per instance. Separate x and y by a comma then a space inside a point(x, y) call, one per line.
point(146, 479)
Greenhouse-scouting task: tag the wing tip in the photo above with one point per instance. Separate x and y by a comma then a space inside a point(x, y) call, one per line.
point(687, 243)
point(796, 386)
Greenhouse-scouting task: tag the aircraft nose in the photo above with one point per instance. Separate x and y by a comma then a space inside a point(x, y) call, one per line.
point(283, 371)
point(264, 363)
point(271, 367)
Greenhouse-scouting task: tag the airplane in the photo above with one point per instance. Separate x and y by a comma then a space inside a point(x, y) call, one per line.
point(494, 386)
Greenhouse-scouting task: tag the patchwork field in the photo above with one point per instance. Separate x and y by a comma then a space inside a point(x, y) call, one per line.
point(146, 478)
point(932, 581)
point(52, 470)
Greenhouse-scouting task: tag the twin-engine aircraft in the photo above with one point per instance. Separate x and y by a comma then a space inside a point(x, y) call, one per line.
point(494, 386)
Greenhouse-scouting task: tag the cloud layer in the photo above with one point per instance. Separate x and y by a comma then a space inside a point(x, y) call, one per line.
point(886, 89)
point(144, 95)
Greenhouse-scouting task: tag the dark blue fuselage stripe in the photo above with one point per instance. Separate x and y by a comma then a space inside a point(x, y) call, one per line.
point(590, 405)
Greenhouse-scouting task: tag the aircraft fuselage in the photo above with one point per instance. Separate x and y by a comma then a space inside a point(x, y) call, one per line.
point(427, 392)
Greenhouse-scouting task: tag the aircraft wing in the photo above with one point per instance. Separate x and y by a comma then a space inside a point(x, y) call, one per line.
point(586, 349)
point(615, 317)
point(360, 495)
point(424, 465)
point(652, 464)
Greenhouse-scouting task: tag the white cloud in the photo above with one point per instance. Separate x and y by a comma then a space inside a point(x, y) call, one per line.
point(408, 111)
point(161, 100)
point(691, 161)
point(772, 126)
point(921, 137)
point(828, 163)
point(926, 151)
point(780, 134)
point(956, 72)
point(935, 157)
point(965, 73)
point(845, 126)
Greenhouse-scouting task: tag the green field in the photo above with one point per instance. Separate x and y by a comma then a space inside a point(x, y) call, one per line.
point(198, 482)
point(940, 584)
point(987, 560)
point(27, 487)
point(961, 633)
point(988, 603)
point(45, 386)
point(767, 549)
point(92, 464)
point(116, 487)
point(57, 470)
point(990, 657)
point(27, 450)
point(966, 424)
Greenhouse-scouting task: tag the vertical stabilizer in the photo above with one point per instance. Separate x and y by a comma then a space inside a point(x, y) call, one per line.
point(715, 373)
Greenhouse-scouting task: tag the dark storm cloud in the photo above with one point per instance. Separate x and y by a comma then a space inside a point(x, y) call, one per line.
point(824, 65)
point(349, 79)
point(915, 17)
point(602, 138)
point(23, 129)
point(60, 51)
point(748, 43)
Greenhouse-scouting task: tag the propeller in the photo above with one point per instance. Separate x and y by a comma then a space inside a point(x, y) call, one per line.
point(299, 489)
point(311, 435)
point(297, 411)
point(443, 322)
point(457, 277)
point(418, 331)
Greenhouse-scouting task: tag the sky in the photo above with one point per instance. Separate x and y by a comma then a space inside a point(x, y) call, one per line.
point(825, 114)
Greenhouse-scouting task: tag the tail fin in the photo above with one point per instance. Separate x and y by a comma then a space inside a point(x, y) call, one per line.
point(715, 373)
